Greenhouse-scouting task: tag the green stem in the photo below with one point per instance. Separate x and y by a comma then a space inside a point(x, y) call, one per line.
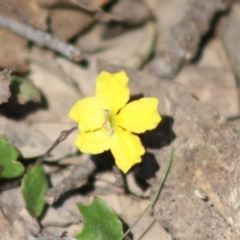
point(147, 229)
point(158, 190)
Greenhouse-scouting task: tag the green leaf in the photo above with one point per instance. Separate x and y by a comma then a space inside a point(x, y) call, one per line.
point(101, 222)
point(34, 187)
point(10, 168)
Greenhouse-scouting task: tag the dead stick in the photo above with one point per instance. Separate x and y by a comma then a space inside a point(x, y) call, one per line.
point(77, 178)
point(64, 134)
point(40, 38)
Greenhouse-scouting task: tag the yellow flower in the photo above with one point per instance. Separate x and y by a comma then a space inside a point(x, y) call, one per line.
point(108, 122)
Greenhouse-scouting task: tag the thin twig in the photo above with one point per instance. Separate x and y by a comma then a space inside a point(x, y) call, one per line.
point(62, 236)
point(64, 134)
point(41, 38)
point(147, 229)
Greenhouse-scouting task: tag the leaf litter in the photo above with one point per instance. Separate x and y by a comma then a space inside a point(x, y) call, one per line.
point(195, 123)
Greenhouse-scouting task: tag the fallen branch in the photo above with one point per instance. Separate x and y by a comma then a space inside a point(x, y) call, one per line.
point(41, 38)
point(185, 38)
point(76, 179)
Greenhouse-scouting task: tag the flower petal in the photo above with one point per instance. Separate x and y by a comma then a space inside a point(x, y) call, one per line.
point(88, 113)
point(126, 148)
point(93, 142)
point(112, 90)
point(139, 116)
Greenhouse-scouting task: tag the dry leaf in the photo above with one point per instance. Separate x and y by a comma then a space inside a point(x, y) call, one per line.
point(90, 5)
point(139, 12)
point(13, 52)
point(30, 12)
point(7, 230)
point(66, 27)
point(12, 55)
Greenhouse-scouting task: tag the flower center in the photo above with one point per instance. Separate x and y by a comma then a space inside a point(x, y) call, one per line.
point(108, 122)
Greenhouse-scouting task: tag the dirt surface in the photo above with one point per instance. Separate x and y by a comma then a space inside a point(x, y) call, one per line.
point(185, 53)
